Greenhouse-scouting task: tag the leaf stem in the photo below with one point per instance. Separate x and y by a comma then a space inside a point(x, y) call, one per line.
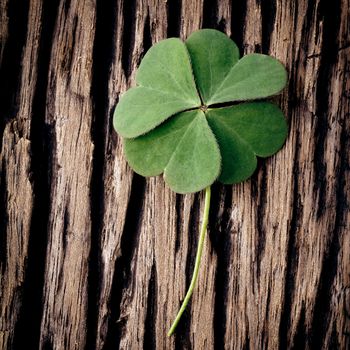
point(197, 263)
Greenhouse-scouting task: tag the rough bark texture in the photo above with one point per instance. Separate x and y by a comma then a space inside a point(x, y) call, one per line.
point(95, 257)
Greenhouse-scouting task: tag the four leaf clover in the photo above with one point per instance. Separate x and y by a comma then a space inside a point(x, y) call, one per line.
point(187, 118)
point(184, 118)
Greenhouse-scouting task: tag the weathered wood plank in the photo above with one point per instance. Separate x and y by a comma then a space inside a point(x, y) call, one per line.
point(69, 106)
point(120, 248)
point(3, 27)
point(15, 180)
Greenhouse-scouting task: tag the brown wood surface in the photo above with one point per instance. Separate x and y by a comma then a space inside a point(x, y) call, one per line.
point(95, 257)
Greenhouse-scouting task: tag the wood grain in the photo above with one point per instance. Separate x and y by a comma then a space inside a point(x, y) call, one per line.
point(16, 187)
point(93, 256)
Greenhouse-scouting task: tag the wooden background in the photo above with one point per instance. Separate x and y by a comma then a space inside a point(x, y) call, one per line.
point(95, 257)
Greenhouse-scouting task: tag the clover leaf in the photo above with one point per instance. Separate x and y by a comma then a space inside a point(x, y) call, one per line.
point(165, 87)
point(173, 121)
point(184, 118)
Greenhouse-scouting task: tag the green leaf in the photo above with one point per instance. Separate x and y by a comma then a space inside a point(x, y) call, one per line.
point(245, 131)
point(167, 130)
point(166, 87)
point(253, 76)
point(212, 55)
point(195, 163)
point(184, 148)
point(141, 110)
point(149, 154)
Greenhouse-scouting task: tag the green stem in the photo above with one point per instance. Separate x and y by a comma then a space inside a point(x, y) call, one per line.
point(197, 263)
